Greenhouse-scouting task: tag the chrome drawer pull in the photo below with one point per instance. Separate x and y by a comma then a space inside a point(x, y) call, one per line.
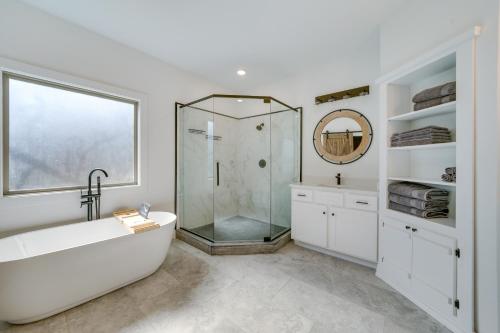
point(362, 202)
point(301, 195)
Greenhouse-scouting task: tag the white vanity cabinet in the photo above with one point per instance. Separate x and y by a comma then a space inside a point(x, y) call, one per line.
point(340, 221)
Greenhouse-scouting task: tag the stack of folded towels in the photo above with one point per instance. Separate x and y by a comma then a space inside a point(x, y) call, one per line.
point(135, 222)
point(419, 200)
point(435, 96)
point(422, 136)
point(449, 175)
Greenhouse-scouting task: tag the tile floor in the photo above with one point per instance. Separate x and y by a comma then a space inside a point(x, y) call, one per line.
point(293, 290)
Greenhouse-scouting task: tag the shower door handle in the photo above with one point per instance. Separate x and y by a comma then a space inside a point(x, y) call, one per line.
point(217, 167)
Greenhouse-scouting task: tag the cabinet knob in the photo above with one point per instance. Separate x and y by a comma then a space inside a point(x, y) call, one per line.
point(413, 229)
point(324, 213)
point(407, 227)
point(333, 214)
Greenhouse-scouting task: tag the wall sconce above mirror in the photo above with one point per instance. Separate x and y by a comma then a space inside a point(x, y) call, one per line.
point(342, 136)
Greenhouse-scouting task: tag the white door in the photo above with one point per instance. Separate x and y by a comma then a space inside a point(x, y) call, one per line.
point(395, 252)
point(309, 223)
point(356, 233)
point(434, 270)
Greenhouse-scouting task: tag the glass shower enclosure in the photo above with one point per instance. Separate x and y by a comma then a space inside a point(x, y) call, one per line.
point(236, 157)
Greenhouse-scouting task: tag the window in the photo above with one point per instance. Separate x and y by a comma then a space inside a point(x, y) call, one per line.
point(54, 134)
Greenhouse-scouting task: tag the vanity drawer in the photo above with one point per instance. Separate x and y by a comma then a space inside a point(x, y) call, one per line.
point(302, 195)
point(329, 198)
point(360, 201)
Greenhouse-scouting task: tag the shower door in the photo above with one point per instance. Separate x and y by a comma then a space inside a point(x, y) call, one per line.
point(242, 170)
point(195, 168)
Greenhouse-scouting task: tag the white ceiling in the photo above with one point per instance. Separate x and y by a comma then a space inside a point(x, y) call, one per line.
point(270, 39)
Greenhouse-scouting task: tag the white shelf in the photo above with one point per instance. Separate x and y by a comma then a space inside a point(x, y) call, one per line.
point(424, 181)
point(447, 145)
point(429, 112)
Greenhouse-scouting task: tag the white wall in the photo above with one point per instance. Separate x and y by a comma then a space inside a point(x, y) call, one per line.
point(418, 27)
point(359, 69)
point(31, 36)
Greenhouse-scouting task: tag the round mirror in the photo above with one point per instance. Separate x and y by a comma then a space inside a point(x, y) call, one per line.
point(342, 136)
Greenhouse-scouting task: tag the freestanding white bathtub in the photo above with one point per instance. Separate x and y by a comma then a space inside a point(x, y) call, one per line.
point(47, 271)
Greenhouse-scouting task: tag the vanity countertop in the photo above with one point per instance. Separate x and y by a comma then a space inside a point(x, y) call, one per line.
point(352, 185)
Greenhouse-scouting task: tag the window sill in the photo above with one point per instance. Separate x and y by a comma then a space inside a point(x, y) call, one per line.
point(68, 191)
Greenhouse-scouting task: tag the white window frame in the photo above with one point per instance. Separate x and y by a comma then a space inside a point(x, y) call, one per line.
point(17, 70)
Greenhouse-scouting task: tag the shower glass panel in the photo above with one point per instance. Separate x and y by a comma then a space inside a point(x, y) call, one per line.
point(236, 157)
point(195, 124)
point(242, 207)
point(285, 164)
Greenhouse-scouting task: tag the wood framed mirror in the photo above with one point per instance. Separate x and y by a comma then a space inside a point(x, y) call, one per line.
point(342, 136)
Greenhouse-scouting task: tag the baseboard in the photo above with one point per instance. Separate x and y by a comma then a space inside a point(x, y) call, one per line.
point(338, 255)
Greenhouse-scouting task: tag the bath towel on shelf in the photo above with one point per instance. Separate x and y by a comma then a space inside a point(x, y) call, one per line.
point(431, 213)
point(434, 102)
point(419, 204)
point(421, 136)
point(450, 175)
point(417, 191)
point(446, 89)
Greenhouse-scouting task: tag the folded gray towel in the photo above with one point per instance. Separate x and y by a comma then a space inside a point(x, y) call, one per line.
point(434, 102)
point(420, 136)
point(419, 204)
point(451, 170)
point(426, 214)
point(424, 130)
point(417, 191)
point(448, 178)
point(436, 92)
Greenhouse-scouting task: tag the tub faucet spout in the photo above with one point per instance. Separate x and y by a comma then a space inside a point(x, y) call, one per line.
point(91, 198)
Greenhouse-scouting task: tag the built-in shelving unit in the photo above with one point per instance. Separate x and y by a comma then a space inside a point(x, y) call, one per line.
point(419, 256)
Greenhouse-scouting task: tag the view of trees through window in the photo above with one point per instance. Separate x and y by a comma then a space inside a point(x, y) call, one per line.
point(56, 135)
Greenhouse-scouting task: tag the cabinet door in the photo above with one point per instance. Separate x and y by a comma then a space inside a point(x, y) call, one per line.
point(434, 270)
point(309, 223)
point(395, 252)
point(356, 233)
point(332, 225)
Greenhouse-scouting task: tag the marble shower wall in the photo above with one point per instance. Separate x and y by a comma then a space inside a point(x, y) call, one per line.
point(254, 186)
point(265, 192)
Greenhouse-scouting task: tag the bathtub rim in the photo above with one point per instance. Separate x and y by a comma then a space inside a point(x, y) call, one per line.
point(172, 218)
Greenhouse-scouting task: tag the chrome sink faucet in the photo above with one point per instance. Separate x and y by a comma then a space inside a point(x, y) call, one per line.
point(91, 198)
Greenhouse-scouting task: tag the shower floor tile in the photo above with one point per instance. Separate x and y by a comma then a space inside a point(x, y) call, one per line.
point(238, 228)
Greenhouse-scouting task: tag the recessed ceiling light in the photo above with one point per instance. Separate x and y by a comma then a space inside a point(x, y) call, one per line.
point(240, 100)
point(241, 72)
